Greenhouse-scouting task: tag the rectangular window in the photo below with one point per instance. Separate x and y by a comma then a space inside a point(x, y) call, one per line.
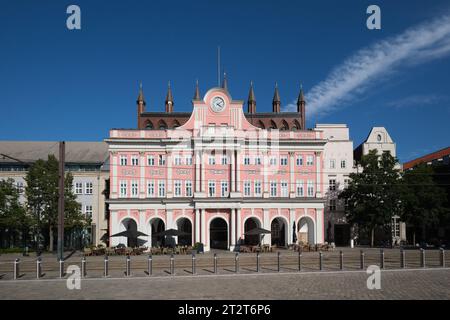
point(134, 189)
point(151, 160)
point(247, 188)
point(123, 188)
point(162, 160)
point(273, 161)
point(246, 160)
point(224, 159)
point(150, 188)
point(123, 160)
point(134, 160)
point(299, 161)
point(188, 160)
point(257, 188)
point(310, 188)
point(88, 188)
point(273, 188)
point(332, 164)
point(299, 188)
point(188, 185)
point(224, 185)
point(161, 188)
point(177, 188)
point(79, 188)
point(346, 182)
point(88, 210)
point(19, 187)
point(258, 161)
point(212, 188)
point(212, 159)
point(284, 161)
point(332, 205)
point(177, 160)
point(309, 160)
point(332, 184)
point(343, 164)
point(284, 189)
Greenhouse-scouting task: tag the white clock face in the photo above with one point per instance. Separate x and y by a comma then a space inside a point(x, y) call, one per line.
point(217, 104)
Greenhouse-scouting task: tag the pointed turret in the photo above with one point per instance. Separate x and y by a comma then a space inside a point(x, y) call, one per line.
point(251, 103)
point(301, 103)
point(225, 82)
point(140, 103)
point(169, 99)
point(276, 100)
point(197, 91)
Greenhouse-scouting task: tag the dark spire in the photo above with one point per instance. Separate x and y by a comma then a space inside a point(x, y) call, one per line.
point(301, 96)
point(169, 99)
point(141, 94)
point(197, 91)
point(251, 103)
point(301, 108)
point(276, 102)
point(225, 82)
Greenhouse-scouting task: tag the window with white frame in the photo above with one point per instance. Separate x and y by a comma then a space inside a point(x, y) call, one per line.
point(123, 188)
point(212, 159)
point(19, 187)
point(123, 160)
point(162, 160)
point(343, 164)
point(212, 188)
point(224, 188)
point(310, 188)
point(247, 189)
point(88, 210)
point(257, 188)
point(177, 188)
point(299, 188)
point(273, 161)
point(88, 188)
point(161, 188)
point(246, 160)
point(134, 160)
point(332, 164)
point(346, 182)
point(134, 188)
point(299, 161)
point(177, 160)
point(284, 160)
point(150, 188)
point(188, 187)
point(188, 160)
point(224, 159)
point(309, 160)
point(332, 205)
point(78, 188)
point(332, 184)
point(273, 188)
point(284, 189)
point(151, 160)
point(258, 161)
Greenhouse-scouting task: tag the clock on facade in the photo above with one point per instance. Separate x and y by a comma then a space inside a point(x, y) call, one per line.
point(217, 104)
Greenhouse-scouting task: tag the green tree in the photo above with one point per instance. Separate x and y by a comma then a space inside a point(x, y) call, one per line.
point(423, 201)
point(373, 195)
point(42, 198)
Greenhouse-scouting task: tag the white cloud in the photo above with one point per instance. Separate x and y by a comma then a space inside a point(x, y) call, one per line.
point(349, 80)
point(417, 100)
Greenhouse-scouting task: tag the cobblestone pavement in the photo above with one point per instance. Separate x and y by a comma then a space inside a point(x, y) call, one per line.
point(395, 284)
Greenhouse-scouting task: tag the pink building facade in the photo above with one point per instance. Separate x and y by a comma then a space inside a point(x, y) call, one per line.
point(216, 177)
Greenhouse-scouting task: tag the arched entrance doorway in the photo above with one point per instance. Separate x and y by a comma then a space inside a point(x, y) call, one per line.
point(157, 226)
point(218, 234)
point(305, 229)
point(130, 225)
point(250, 224)
point(278, 232)
point(183, 224)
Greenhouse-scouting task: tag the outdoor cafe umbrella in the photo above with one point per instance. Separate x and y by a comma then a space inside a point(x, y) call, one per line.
point(130, 234)
point(257, 232)
point(294, 235)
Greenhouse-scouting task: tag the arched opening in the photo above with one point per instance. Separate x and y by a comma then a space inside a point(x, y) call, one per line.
point(250, 224)
point(162, 125)
point(218, 234)
point(284, 126)
point(157, 226)
point(176, 124)
point(261, 125)
point(149, 125)
point(305, 229)
point(185, 225)
point(278, 232)
point(131, 225)
point(273, 125)
point(296, 126)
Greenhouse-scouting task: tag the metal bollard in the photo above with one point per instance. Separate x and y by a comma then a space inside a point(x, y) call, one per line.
point(215, 263)
point(236, 263)
point(171, 265)
point(402, 259)
point(278, 261)
point(299, 261)
point(38, 267)
point(442, 258)
point(61, 268)
point(362, 259)
point(381, 259)
point(83, 267)
point(128, 266)
point(106, 266)
point(341, 260)
point(257, 262)
point(194, 271)
point(320, 260)
point(422, 258)
point(150, 265)
point(16, 268)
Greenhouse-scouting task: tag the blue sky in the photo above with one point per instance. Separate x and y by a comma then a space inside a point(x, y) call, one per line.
point(57, 84)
